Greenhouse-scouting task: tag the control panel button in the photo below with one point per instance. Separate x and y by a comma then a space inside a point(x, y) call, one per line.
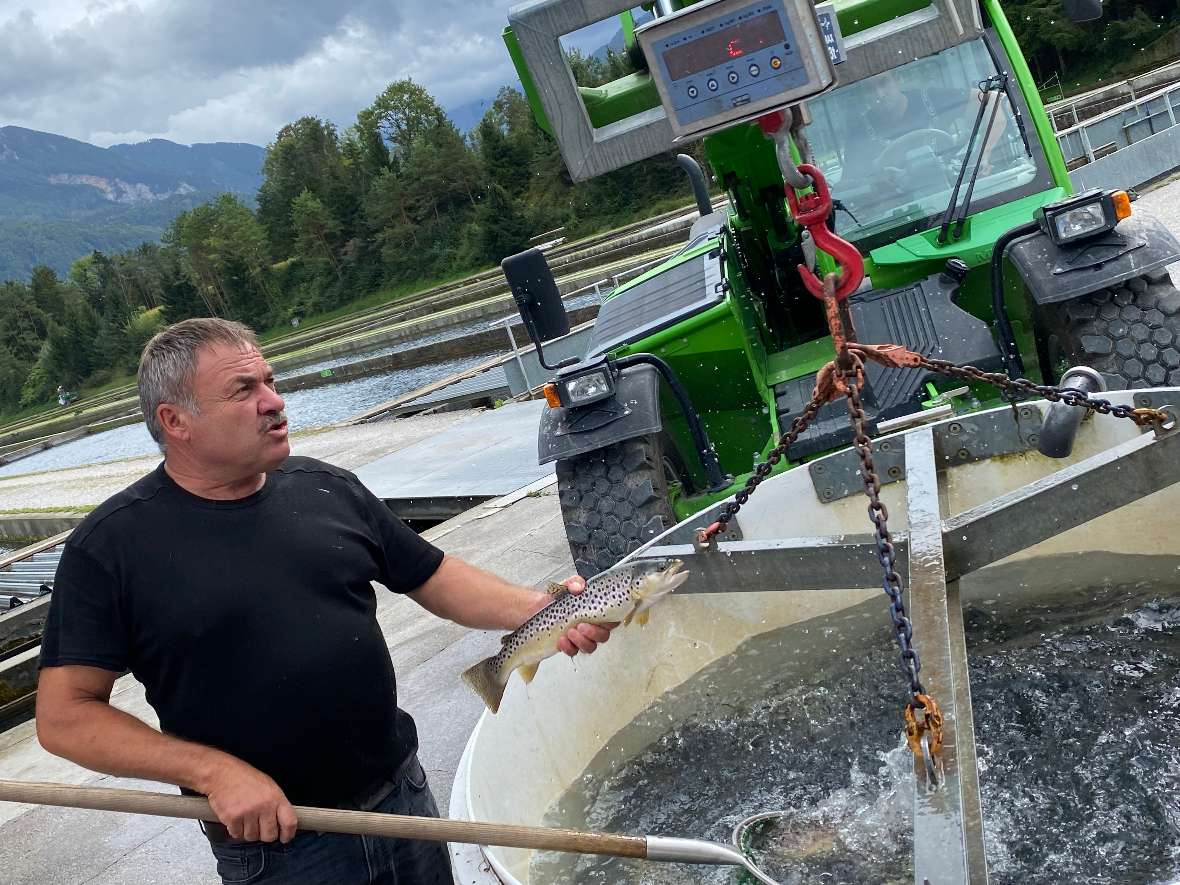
point(776, 62)
point(712, 84)
point(693, 92)
point(755, 70)
point(733, 77)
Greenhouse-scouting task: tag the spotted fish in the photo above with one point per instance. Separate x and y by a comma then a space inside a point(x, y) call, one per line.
point(624, 593)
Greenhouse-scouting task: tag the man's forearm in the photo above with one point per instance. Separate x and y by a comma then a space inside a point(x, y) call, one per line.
point(467, 595)
point(100, 737)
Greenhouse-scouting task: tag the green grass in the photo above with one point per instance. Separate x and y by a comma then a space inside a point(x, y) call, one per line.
point(380, 298)
point(1100, 73)
point(52, 410)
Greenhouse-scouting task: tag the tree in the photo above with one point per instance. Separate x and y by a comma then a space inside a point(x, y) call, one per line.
point(48, 292)
point(12, 377)
point(506, 141)
point(400, 115)
point(503, 228)
point(23, 325)
point(316, 232)
point(225, 247)
point(305, 156)
point(392, 231)
point(69, 354)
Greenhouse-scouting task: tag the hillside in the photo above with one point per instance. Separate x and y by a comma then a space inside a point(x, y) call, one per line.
point(60, 197)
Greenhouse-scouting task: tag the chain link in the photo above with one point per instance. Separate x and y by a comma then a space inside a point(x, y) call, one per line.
point(1024, 388)
point(903, 628)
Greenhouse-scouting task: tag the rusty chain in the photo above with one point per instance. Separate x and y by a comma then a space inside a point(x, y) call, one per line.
point(1024, 388)
point(903, 629)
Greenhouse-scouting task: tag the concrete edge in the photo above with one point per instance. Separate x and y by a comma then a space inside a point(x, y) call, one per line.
point(22, 527)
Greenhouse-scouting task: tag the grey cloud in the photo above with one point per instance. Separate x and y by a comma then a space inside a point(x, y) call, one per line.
point(237, 69)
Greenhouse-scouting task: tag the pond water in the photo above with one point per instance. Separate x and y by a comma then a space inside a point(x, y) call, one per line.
point(306, 409)
point(110, 445)
point(1077, 712)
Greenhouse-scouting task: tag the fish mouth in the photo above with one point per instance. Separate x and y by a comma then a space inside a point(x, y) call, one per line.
point(674, 575)
point(675, 567)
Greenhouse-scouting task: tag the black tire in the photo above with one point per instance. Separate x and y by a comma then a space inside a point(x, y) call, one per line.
point(613, 500)
point(1130, 333)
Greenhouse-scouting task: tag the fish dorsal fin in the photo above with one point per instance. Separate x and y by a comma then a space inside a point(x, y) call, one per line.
point(505, 639)
point(528, 671)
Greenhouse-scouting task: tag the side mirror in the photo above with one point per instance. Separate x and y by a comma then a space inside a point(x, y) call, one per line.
point(537, 298)
point(1082, 10)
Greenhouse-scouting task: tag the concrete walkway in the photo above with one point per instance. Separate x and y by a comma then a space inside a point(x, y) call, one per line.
point(521, 540)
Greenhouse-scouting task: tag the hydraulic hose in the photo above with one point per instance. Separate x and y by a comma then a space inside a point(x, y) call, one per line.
point(705, 452)
point(1013, 364)
point(699, 188)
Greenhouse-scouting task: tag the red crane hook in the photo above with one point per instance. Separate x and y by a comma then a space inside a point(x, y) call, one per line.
point(812, 211)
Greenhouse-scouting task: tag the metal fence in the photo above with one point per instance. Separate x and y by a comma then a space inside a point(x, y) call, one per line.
point(1126, 146)
point(1120, 127)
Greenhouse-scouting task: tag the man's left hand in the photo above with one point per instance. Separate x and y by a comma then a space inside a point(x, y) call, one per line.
point(583, 637)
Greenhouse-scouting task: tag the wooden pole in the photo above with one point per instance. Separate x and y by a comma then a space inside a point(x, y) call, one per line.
point(327, 820)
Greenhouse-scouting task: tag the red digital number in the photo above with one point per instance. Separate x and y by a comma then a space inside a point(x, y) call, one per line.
point(734, 48)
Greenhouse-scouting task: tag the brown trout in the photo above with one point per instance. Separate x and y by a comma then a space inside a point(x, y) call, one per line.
point(624, 593)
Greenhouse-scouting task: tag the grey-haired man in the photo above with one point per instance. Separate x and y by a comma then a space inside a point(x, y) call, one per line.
point(235, 582)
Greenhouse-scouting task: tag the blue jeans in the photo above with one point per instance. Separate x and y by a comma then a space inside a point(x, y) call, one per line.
point(337, 859)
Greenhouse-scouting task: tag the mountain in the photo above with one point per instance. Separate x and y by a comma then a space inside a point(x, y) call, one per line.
point(60, 198)
point(467, 116)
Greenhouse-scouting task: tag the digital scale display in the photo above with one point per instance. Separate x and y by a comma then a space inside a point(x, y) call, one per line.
point(728, 43)
point(727, 60)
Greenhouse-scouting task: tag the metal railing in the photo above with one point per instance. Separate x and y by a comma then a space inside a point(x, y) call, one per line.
point(1120, 127)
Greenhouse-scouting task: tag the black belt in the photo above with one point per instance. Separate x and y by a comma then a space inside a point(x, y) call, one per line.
point(363, 800)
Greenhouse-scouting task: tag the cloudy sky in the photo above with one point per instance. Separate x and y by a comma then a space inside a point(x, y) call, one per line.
point(107, 71)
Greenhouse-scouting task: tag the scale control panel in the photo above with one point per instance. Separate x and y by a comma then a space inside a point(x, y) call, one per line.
point(723, 62)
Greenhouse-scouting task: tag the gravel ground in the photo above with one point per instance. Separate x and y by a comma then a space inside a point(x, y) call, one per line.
point(348, 447)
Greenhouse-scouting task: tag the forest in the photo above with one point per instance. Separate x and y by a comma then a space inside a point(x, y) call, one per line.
point(397, 200)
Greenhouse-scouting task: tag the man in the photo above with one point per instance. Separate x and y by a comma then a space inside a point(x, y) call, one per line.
point(894, 113)
point(235, 583)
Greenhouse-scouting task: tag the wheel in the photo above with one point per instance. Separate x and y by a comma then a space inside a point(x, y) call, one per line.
point(615, 499)
point(1130, 333)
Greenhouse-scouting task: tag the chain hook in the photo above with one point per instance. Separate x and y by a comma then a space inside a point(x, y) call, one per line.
point(812, 211)
point(924, 735)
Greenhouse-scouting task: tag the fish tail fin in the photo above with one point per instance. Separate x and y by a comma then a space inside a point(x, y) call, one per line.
point(483, 681)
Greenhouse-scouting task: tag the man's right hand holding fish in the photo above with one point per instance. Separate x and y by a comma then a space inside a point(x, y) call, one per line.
point(573, 619)
point(502, 605)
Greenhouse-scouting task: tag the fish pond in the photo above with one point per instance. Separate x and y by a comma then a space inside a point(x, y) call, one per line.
point(1076, 696)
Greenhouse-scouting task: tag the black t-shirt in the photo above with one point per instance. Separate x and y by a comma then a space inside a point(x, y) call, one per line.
point(250, 623)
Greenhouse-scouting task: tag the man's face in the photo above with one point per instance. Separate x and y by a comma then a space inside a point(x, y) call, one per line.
point(240, 425)
point(884, 89)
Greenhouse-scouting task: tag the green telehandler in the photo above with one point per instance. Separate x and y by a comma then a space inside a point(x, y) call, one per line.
point(910, 129)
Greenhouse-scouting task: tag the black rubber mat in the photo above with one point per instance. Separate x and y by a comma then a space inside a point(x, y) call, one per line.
point(925, 319)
